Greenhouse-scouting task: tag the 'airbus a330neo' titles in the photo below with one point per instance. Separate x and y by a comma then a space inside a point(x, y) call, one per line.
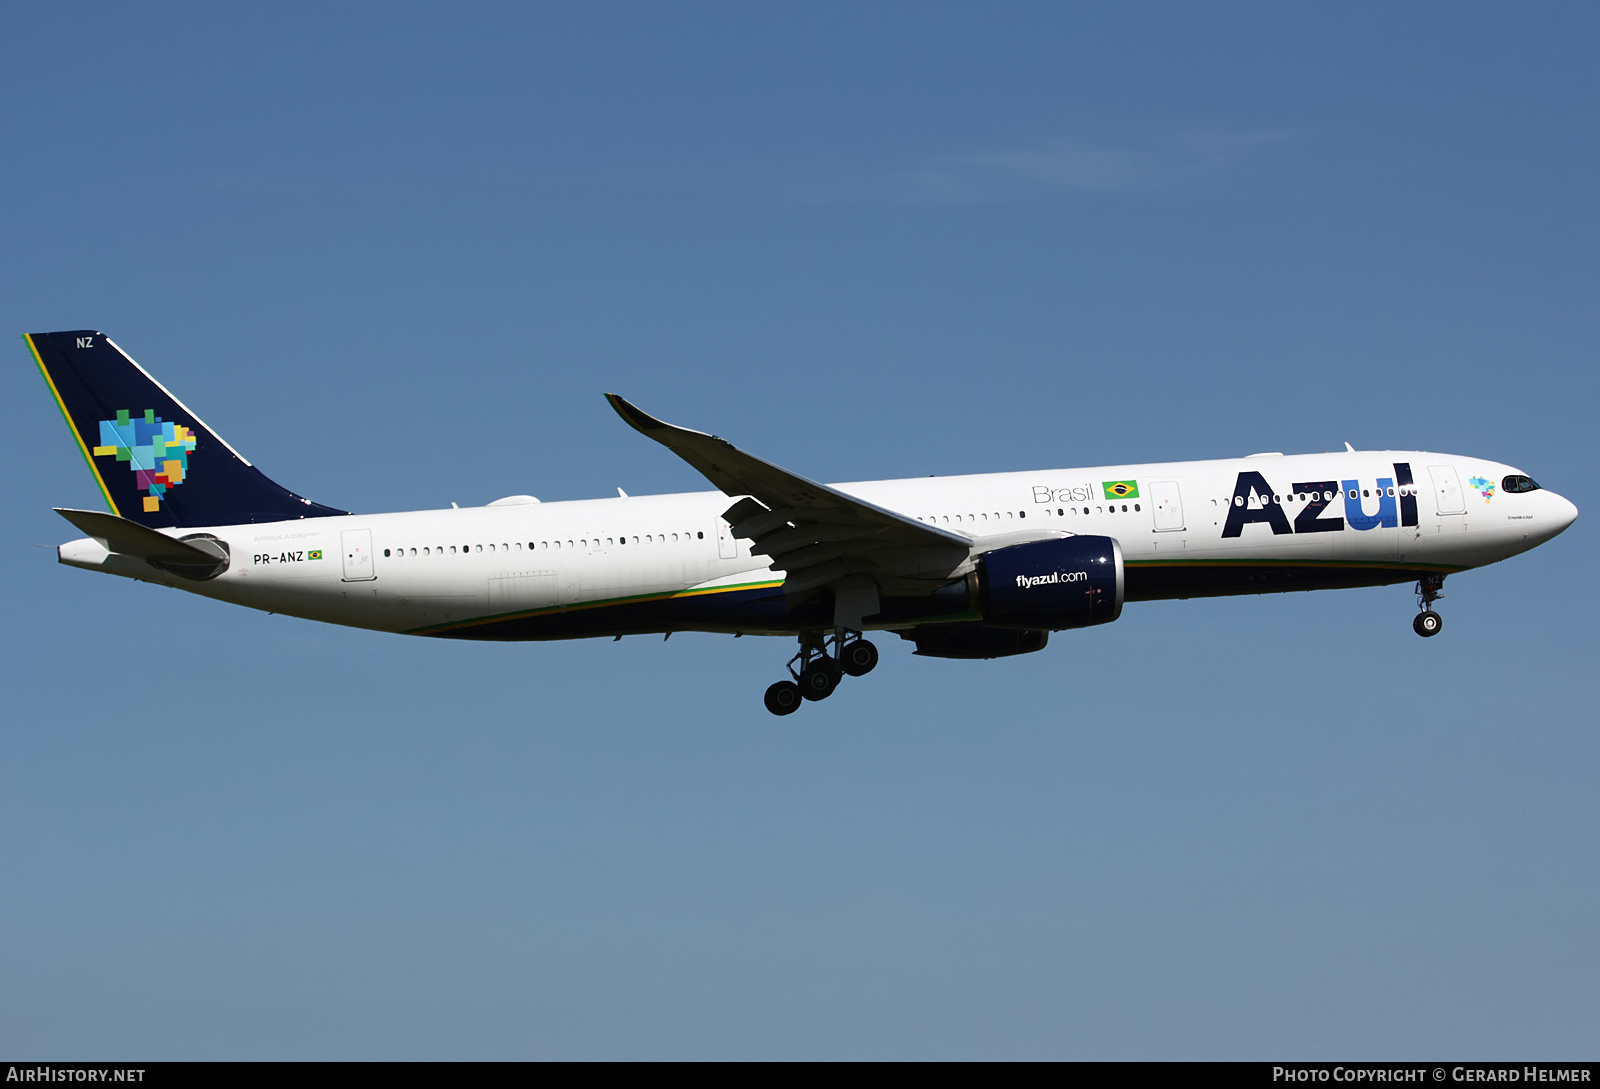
point(963, 567)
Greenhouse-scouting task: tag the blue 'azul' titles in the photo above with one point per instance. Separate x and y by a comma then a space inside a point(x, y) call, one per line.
point(1255, 501)
point(1359, 518)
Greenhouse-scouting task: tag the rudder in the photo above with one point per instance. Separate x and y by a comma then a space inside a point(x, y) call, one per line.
point(156, 462)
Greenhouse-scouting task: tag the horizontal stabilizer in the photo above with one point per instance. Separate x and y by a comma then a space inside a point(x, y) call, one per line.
point(141, 542)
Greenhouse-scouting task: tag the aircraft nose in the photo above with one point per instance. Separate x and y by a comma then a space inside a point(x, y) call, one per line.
point(1566, 511)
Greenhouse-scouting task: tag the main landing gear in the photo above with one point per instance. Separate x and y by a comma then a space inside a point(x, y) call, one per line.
point(1430, 588)
point(821, 671)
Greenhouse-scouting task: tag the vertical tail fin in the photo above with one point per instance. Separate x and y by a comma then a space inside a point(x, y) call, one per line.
point(156, 462)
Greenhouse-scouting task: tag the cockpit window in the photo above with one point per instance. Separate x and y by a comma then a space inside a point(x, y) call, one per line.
point(1518, 484)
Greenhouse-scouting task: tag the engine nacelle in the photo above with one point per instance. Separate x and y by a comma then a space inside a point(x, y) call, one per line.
point(1072, 582)
point(974, 641)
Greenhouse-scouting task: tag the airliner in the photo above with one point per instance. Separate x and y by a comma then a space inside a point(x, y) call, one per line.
point(979, 566)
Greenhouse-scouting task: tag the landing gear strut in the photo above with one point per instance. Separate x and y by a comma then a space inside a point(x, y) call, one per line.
point(824, 661)
point(1430, 588)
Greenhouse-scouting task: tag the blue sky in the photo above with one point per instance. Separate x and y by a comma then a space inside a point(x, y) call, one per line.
point(395, 253)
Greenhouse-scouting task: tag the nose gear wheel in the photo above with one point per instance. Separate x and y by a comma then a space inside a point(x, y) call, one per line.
point(1430, 588)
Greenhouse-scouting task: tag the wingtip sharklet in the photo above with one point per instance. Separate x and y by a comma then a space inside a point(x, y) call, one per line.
point(632, 415)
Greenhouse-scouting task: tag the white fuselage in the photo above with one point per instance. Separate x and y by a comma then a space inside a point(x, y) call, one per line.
point(670, 559)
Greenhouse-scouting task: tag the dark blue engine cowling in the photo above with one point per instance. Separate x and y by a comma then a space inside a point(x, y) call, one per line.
point(974, 641)
point(1068, 583)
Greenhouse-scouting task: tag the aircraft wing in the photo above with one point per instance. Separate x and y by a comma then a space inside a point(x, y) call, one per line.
point(817, 535)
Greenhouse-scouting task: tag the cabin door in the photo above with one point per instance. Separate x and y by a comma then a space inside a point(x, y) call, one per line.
point(1447, 492)
point(1167, 505)
point(356, 545)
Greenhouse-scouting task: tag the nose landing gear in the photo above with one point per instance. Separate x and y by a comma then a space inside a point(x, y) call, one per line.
point(1430, 588)
point(821, 671)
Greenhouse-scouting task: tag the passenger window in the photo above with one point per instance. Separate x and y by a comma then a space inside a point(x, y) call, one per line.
point(386, 553)
point(700, 535)
point(452, 550)
point(491, 548)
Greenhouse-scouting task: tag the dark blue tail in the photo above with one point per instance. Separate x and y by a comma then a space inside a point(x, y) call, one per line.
point(155, 461)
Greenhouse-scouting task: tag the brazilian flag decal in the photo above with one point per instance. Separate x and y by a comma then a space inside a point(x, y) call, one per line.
point(314, 554)
point(1121, 489)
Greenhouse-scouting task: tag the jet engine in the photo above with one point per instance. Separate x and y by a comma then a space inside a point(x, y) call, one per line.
point(1072, 582)
point(973, 641)
point(1024, 592)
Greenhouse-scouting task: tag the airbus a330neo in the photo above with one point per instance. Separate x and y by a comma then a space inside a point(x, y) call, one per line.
point(963, 567)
